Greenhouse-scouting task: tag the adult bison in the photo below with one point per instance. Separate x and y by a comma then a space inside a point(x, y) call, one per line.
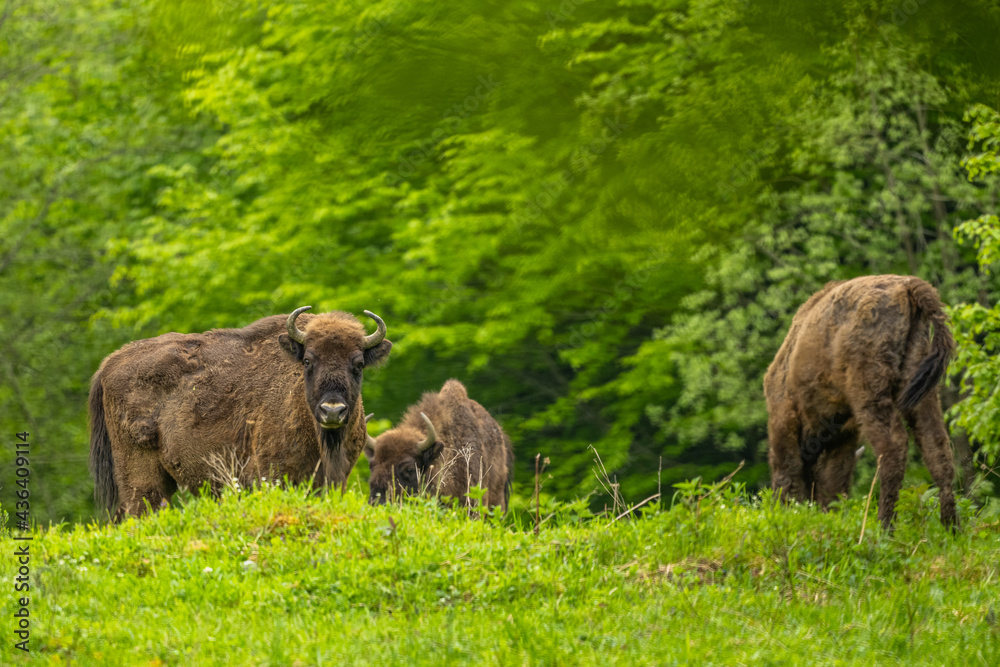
point(859, 360)
point(269, 400)
point(444, 445)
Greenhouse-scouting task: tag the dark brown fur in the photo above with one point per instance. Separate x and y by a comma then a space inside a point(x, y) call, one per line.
point(859, 361)
point(471, 449)
point(163, 409)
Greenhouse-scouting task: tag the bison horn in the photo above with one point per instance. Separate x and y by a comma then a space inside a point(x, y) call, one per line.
point(431, 435)
point(294, 332)
point(371, 440)
point(379, 335)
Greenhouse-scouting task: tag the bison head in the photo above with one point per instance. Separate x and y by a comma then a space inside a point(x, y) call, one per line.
point(334, 351)
point(400, 461)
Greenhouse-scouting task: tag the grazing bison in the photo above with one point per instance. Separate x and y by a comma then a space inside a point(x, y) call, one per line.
point(444, 445)
point(268, 400)
point(859, 360)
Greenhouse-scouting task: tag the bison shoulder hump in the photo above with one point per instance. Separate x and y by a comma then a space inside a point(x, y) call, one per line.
point(454, 388)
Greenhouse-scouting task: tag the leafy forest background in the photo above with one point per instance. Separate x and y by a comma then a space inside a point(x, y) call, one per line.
point(600, 215)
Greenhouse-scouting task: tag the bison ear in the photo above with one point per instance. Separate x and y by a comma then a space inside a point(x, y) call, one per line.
point(294, 349)
point(369, 452)
point(377, 354)
point(426, 457)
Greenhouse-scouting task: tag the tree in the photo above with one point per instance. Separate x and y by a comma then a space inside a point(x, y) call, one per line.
point(977, 326)
point(82, 119)
point(867, 180)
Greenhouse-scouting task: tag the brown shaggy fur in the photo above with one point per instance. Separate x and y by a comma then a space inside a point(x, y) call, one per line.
point(859, 361)
point(163, 409)
point(471, 450)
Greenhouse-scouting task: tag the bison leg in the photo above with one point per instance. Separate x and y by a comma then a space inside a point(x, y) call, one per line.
point(834, 472)
point(928, 427)
point(882, 425)
point(785, 458)
point(141, 478)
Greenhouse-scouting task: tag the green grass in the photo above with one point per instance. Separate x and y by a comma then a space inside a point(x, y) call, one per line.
point(718, 579)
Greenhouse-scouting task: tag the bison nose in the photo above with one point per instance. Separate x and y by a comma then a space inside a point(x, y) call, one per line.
point(332, 415)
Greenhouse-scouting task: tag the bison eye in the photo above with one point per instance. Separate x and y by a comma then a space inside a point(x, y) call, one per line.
point(306, 363)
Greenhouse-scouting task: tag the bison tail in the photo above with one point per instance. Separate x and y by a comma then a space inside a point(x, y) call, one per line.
point(928, 310)
point(102, 464)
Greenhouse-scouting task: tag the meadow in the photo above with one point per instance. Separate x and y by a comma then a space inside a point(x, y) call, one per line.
point(714, 576)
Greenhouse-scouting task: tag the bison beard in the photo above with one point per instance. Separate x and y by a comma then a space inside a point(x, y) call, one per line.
point(270, 400)
point(859, 362)
point(445, 444)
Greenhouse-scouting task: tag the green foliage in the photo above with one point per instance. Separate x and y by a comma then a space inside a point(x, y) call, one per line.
point(977, 327)
point(600, 215)
point(876, 161)
point(277, 577)
point(82, 120)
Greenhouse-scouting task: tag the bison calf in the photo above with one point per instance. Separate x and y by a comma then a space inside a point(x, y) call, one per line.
point(444, 445)
point(859, 361)
point(280, 397)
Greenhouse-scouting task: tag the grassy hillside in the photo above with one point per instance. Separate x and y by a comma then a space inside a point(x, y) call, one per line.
point(280, 578)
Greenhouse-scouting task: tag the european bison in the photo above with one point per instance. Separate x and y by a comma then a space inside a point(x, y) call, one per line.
point(859, 360)
point(268, 400)
point(444, 445)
